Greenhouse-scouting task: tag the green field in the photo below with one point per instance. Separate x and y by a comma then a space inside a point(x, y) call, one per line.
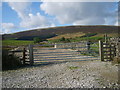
point(78, 39)
point(16, 42)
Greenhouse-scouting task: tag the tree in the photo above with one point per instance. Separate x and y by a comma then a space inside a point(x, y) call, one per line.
point(67, 40)
point(62, 39)
point(37, 40)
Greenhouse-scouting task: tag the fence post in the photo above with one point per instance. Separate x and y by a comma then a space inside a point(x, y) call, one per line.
point(31, 54)
point(88, 46)
point(55, 46)
point(24, 55)
point(111, 53)
point(105, 36)
point(101, 50)
point(118, 49)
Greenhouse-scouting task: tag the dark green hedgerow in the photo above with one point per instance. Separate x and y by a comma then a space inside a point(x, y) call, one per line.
point(9, 61)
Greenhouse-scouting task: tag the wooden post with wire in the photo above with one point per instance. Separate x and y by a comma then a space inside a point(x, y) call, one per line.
point(31, 54)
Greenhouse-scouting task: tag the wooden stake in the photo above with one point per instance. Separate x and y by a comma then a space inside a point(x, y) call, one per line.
point(101, 50)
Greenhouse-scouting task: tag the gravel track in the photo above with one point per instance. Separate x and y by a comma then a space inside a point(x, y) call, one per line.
point(82, 74)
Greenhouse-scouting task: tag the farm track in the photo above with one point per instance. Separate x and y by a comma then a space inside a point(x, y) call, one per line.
point(87, 74)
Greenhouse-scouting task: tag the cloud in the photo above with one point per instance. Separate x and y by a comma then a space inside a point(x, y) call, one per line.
point(21, 8)
point(7, 27)
point(61, 0)
point(0, 4)
point(16, 0)
point(90, 13)
point(76, 13)
point(29, 20)
point(35, 21)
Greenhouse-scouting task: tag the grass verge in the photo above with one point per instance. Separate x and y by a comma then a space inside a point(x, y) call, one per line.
point(16, 42)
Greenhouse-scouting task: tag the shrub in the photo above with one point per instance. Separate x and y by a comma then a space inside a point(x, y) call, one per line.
point(67, 40)
point(37, 40)
point(62, 39)
point(9, 61)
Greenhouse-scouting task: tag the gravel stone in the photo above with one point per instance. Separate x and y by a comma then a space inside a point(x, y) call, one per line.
point(90, 74)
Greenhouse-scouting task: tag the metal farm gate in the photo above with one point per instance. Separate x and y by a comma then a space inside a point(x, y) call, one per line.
point(54, 53)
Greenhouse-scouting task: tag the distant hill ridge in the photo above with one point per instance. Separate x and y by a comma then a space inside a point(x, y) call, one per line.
point(54, 31)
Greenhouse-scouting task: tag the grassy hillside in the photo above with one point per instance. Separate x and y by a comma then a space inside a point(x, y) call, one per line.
point(56, 31)
point(60, 34)
point(69, 35)
point(77, 37)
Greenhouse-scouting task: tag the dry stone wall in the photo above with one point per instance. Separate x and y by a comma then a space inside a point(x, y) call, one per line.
point(81, 46)
point(116, 41)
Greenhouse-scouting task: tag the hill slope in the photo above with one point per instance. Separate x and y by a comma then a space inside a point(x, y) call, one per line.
point(51, 32)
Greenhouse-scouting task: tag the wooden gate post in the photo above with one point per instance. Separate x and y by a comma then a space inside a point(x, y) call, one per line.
point(111, 52)
point(88, 46)
point(31, 54)
point(24, 55)
point(101, 50)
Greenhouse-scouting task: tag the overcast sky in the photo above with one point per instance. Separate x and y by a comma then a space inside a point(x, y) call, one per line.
point(19, 16)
